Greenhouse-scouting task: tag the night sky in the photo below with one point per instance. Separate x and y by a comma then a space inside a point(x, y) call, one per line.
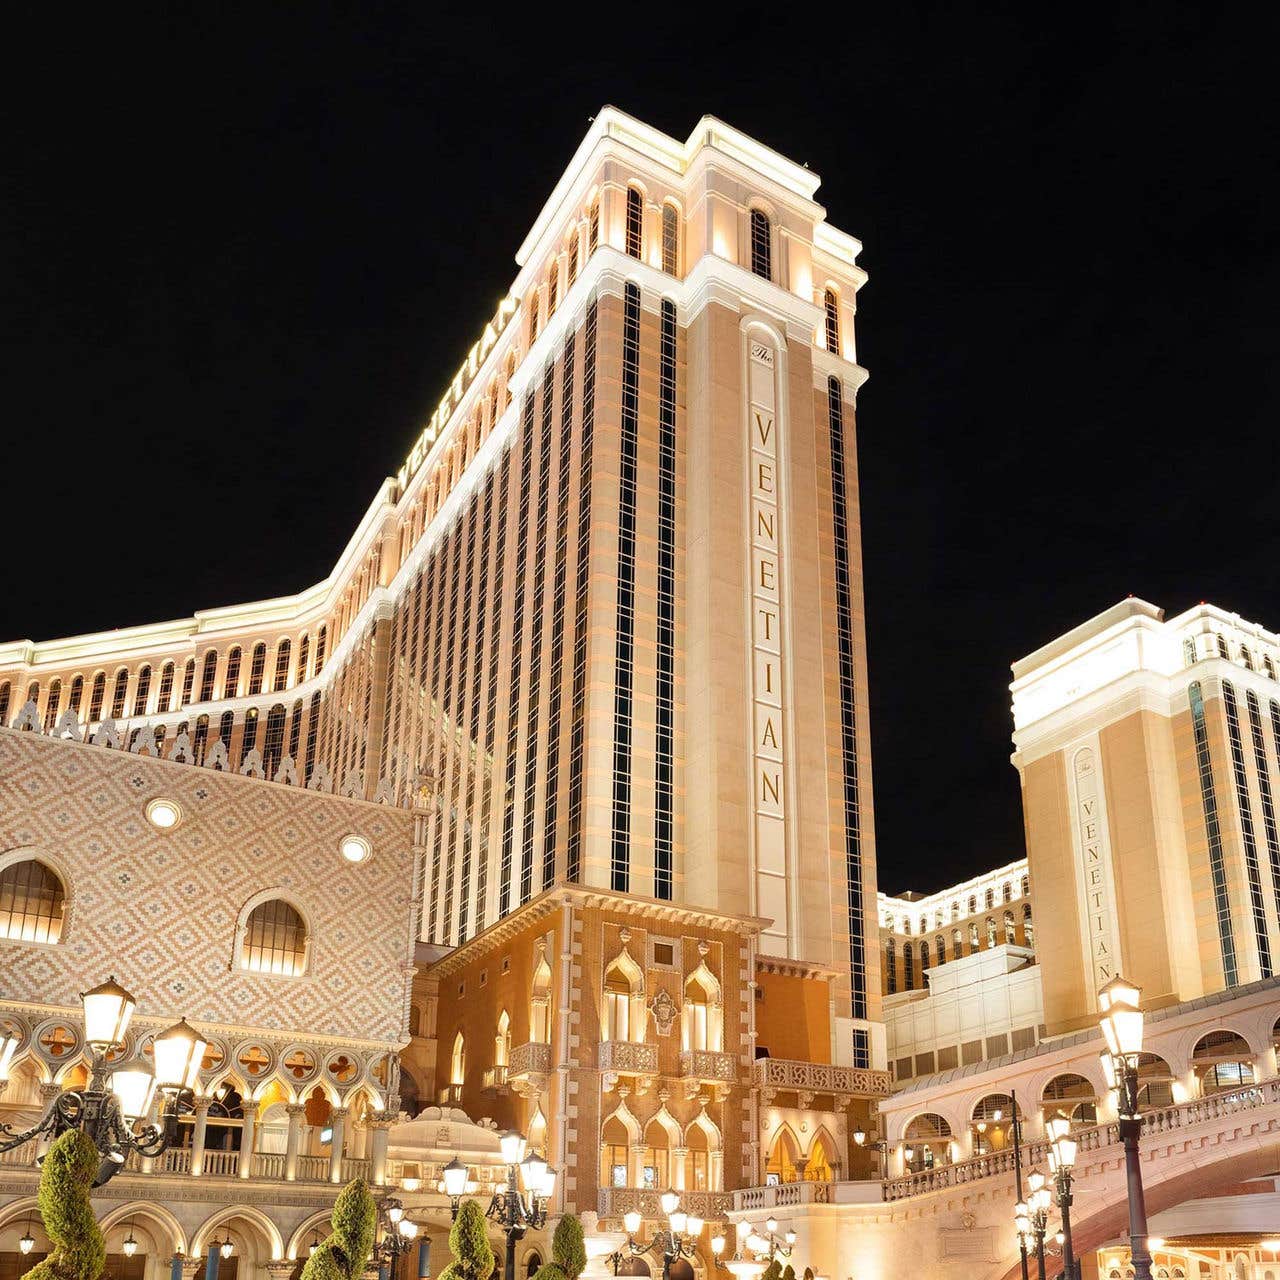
point(239, 260)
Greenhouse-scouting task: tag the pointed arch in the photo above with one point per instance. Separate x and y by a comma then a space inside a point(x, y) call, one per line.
point(268, 1232)
point(149, 1211)
point(502, 1041)
point(623, 999)
point(540, 999)
point(783, 1160)
point(318, 1222)
point(822, 1161)
point(702, 1015)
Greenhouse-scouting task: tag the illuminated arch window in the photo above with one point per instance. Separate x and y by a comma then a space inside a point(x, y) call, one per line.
point(533, 318)
point(761, 244)
point(553, 287)
point(188, 681)
point(274, 939)
point(1268, 666)
point(1006, 892)
point(231, 681)
point(31, 902)
point(573, 259)
point(77, 692)
point(304, 652)
point(831, 306)
point(593, 226)
point(166, 688)
point(502, 1041)
point(1026, 886)
point(458, 1061)
point(671, 239)
point(1223, 651)
point(957, 943)
point(891, 965)
point(1074, 1096)
point(990, 899)
point(321, 637)
point(635, 223)
point(940, 950)
point(974, 944)
point(224, 728)
point(908, 967)
point(282, 666)
point(5, 695)
point(991, 932)
point(1223, 1061)
point(257, 668)
point(1246, 657)
point(273, 740)
point(1010, 932)
point(207, 674)
point(1028, 929)
point(927, 1142)
point(973, 904)
point(51, 707)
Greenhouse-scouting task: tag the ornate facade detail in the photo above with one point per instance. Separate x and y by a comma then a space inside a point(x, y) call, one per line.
point(821, 1077)
point(704, 1064)
point(614, 1202)
point(665, 1012)
point(628, 1058)
point(529, 1059)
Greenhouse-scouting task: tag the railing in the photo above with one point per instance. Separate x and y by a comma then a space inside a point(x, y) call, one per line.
point(23, 1155)
point(313, 1168)
point(615, 1202)
point(353, 1167)
point(221, 1164)
point(175, 1160)
point(1163, 1121)
point(705, 1064)
point(785, 1195)
point(268, 1164)
point(624, 1055)
point(820, 1077)
point(533, 1058)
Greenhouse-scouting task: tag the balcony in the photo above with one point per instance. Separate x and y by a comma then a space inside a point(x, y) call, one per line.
point(707, 1066)
point(614, 1202)
point(530, 1059)
point(624, 1057)
point(792, 1195)
point(812, 1078)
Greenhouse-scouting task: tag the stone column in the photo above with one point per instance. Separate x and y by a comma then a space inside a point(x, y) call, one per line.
point(245, 1167)
point(191, 1267)
point(197, 1138)
point(212, 1254)
point(338, 1119)
point(295, 1112)
point(635, 1174)
point(280, 1270)
point(424, 1259)
point(677, 1169)
point(380, 1130)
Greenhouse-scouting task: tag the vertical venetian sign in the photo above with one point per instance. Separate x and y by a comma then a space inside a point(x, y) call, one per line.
point(768, 763)
point(1096, 888)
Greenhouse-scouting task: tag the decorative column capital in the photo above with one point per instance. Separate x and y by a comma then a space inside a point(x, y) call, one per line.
point(281, 1270)
point(49, 1090)
point(201, 1105)
point(339, 1113)
point(295, 1108)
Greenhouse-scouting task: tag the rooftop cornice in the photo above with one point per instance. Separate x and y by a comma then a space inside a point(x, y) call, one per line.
point(929, 901)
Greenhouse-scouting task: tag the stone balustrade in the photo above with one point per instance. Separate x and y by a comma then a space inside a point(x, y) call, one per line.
point(820, 1077)
point(704, 1064)
point(533, 1058)
point(627, 1058)
point(614, 1202)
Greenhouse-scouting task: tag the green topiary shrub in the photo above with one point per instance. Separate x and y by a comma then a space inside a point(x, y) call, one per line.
point(568, 1251)
point(79, 1251)
point(344, 1252)
point(469, 1243)
point(788, 1272)
point(773, 1271)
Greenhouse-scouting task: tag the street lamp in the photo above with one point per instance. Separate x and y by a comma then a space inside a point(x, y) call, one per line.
point(28, 1241)
point(678, 1240)
point(860, 1139)
point(739, 1267)
point(454, 1179)
point(770, 1243)
point(226, 1248)
point(1032, 1215)
point(1062, 1158)
point(513, 1212)
point(397, 1235)
point(119, 1097)
point(1121, 1023)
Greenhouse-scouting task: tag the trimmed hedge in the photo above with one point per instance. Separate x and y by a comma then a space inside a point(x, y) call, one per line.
point(79, 1251)
point(473, 1257)
point(344, 1252)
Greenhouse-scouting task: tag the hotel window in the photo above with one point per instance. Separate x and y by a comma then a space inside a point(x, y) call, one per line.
point(163, 698)
point(991, 932)
point(831, 306)
point(295, 730)
point(553, 287)
point(249, 737)
point(635, 223)
point(31, 902)
point(1246, 657)
point(671, 239)
point(533, 318)
point(990, 899)
point(1028, 929)
point(207, 674)
point(1010, 933)
point(593, 226)
point(188, 681)
point(321, 636)
point(1213, 832)
point(1189, 651)
point(908, 967)
point(973, 904)
point(940, 950)
point(1243, 801)
point(924, 924)
point(617, 1006)
point(1269, 826)
point(5, 694)
point(701, 1017)
point(96, 695)
point(664, 716)
point(201, 739)
point(955, 912)
point(1006, 891)
point(1223, 651)
point(33, 692)
point(304, 652)
point(761, 249)
point(458, 1062)
point(257, 668)
point(51, 707)
point(274, 939)
point(1268, 666)
point(1026, 886)
point(144, 688)
point(118, 694)
point(273, 743)
point(573, 258)
point(231, 681)
point(891, 965)
point(1222, 1060)
point(957, 943)
point(974, 944)
point(225, 725)
point(282, 666)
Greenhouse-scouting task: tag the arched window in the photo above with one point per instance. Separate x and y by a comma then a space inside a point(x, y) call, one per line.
point(635, 223)
point(77, 692)
point(225, 725)
point(540, 1003)
point(671, 239)
point(282, 665)
point(140, 693)
point(532, 1266)
point(991, 932)
point(207, 674)
point(1074, 1096)
point(1223, 1061)
point(940, 950)
point(908, 967)
point(1268, 665)
point(1028, 929)
point(1006, 892)
point(231, 681)
point(906, 926)
point(502, 1043)
point(989, 899)
point(321, 636)
point(761, 245)
point(458, 1062)
point(257, 668)
point(1026, 886)
point(992, 1122)
point(1246, 657)
point(1189, 651)
point(249, 736)
point(533, 317)
point(926, 1143)
point(1155, 1082)
point(593, 226)
point(304, 652)
point(891, 965)
point(119, 693)
point(201, 740)
point(955, 912)
point(51, 707)
point(5, 695)
point(957, 943)
point(615, 1142)
point(974, 944)
point(924, 962)
point(295, 730)
point(166, 689)
point(1223, 651)
point(831, 305)
point(924, 924)
point(617, 1002)
point(702, 1013)
point(188, 682)
point(573, 258)
point(96, 694)
point(1010, 933)
point(31, 902)
point(273, 742)
point(274, 939)
point(33, 692)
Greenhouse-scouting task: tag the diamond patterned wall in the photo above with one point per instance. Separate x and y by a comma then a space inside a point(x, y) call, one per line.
point(160, 909)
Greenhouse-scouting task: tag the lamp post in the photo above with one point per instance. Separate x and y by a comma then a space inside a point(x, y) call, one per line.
point(860, 1139)
point(1121, 1023)
point(514, 1213)
point(1062, 1159)
point(770, 1243)
point(740, 1267)
point(678, 1240)
point(1032, 1215)
point(118, 1098)
point(397, 1235)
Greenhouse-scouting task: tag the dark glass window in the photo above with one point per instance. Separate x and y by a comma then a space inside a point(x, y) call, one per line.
point(635, 223)
point(761, 245)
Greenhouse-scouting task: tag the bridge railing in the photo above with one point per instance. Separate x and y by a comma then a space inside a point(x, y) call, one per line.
point(1162, 1120)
